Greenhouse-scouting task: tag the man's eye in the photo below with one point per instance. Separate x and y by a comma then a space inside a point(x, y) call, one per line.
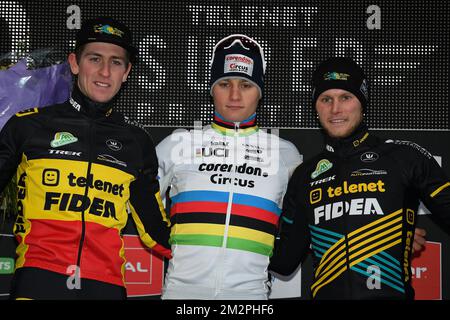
point(117, 62)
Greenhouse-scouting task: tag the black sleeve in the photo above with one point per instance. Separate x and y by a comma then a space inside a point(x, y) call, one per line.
point(293, 242)
point(433, 186)
point(146, 206)
point(9, 151)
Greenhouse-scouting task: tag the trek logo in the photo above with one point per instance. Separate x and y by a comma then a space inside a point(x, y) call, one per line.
point(369, 157)
point(212, 152)
point(114, 145)
point(324, 180)
point(356, 207)
point(62, 139)
point(322, 166)
point(6, 265)
point(65, 152)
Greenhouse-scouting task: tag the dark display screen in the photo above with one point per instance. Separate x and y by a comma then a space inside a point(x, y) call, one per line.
point(402, 45)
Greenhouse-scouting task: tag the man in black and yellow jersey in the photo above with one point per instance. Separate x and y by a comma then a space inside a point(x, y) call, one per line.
point(82, 168)
point(356, 202)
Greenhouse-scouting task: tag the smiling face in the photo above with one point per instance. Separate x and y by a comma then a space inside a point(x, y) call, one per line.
point(101, 70)
point(50, 177)
point(235, 99)
point(340, 112)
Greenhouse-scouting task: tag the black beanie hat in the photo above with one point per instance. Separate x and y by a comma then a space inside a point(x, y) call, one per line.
point(105, 29)
point(340, 73)
point(238, 56)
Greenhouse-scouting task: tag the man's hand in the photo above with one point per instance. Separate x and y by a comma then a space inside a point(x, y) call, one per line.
point(419, 240)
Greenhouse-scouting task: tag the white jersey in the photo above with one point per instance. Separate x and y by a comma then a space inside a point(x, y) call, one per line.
point(226, 192)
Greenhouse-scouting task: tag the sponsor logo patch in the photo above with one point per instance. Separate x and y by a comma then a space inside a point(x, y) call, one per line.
point(369, 156)
point(322, 166)
point(114, 145)
point(367, 172)
point(109, 158)
point(238, 63)
point(62, 139)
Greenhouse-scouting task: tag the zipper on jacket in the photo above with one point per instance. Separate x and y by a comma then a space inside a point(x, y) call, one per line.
point(228, 213)
point(86, 190)
point(231, 193)
point(347, 249)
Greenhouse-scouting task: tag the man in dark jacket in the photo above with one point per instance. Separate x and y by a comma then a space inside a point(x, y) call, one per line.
point(356, 202)
point(82, 168)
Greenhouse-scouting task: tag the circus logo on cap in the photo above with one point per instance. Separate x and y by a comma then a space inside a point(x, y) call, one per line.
point(238, 63)
point(335, 76)
point(107, 29)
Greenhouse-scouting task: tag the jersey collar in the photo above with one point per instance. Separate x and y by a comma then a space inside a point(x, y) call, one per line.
point(228, 128)
point(352, 144)
point(88, 107)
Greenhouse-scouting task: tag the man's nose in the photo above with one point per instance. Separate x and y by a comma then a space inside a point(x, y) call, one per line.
point(335, 106)
point(105, 69)
point(235, 92)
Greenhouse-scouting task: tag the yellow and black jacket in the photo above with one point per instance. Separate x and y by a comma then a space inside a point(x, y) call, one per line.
point(356, 204)
point(81, 167)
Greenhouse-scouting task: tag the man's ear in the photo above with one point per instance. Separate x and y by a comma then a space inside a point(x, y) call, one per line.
point(72, 59)
point(125, 76)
